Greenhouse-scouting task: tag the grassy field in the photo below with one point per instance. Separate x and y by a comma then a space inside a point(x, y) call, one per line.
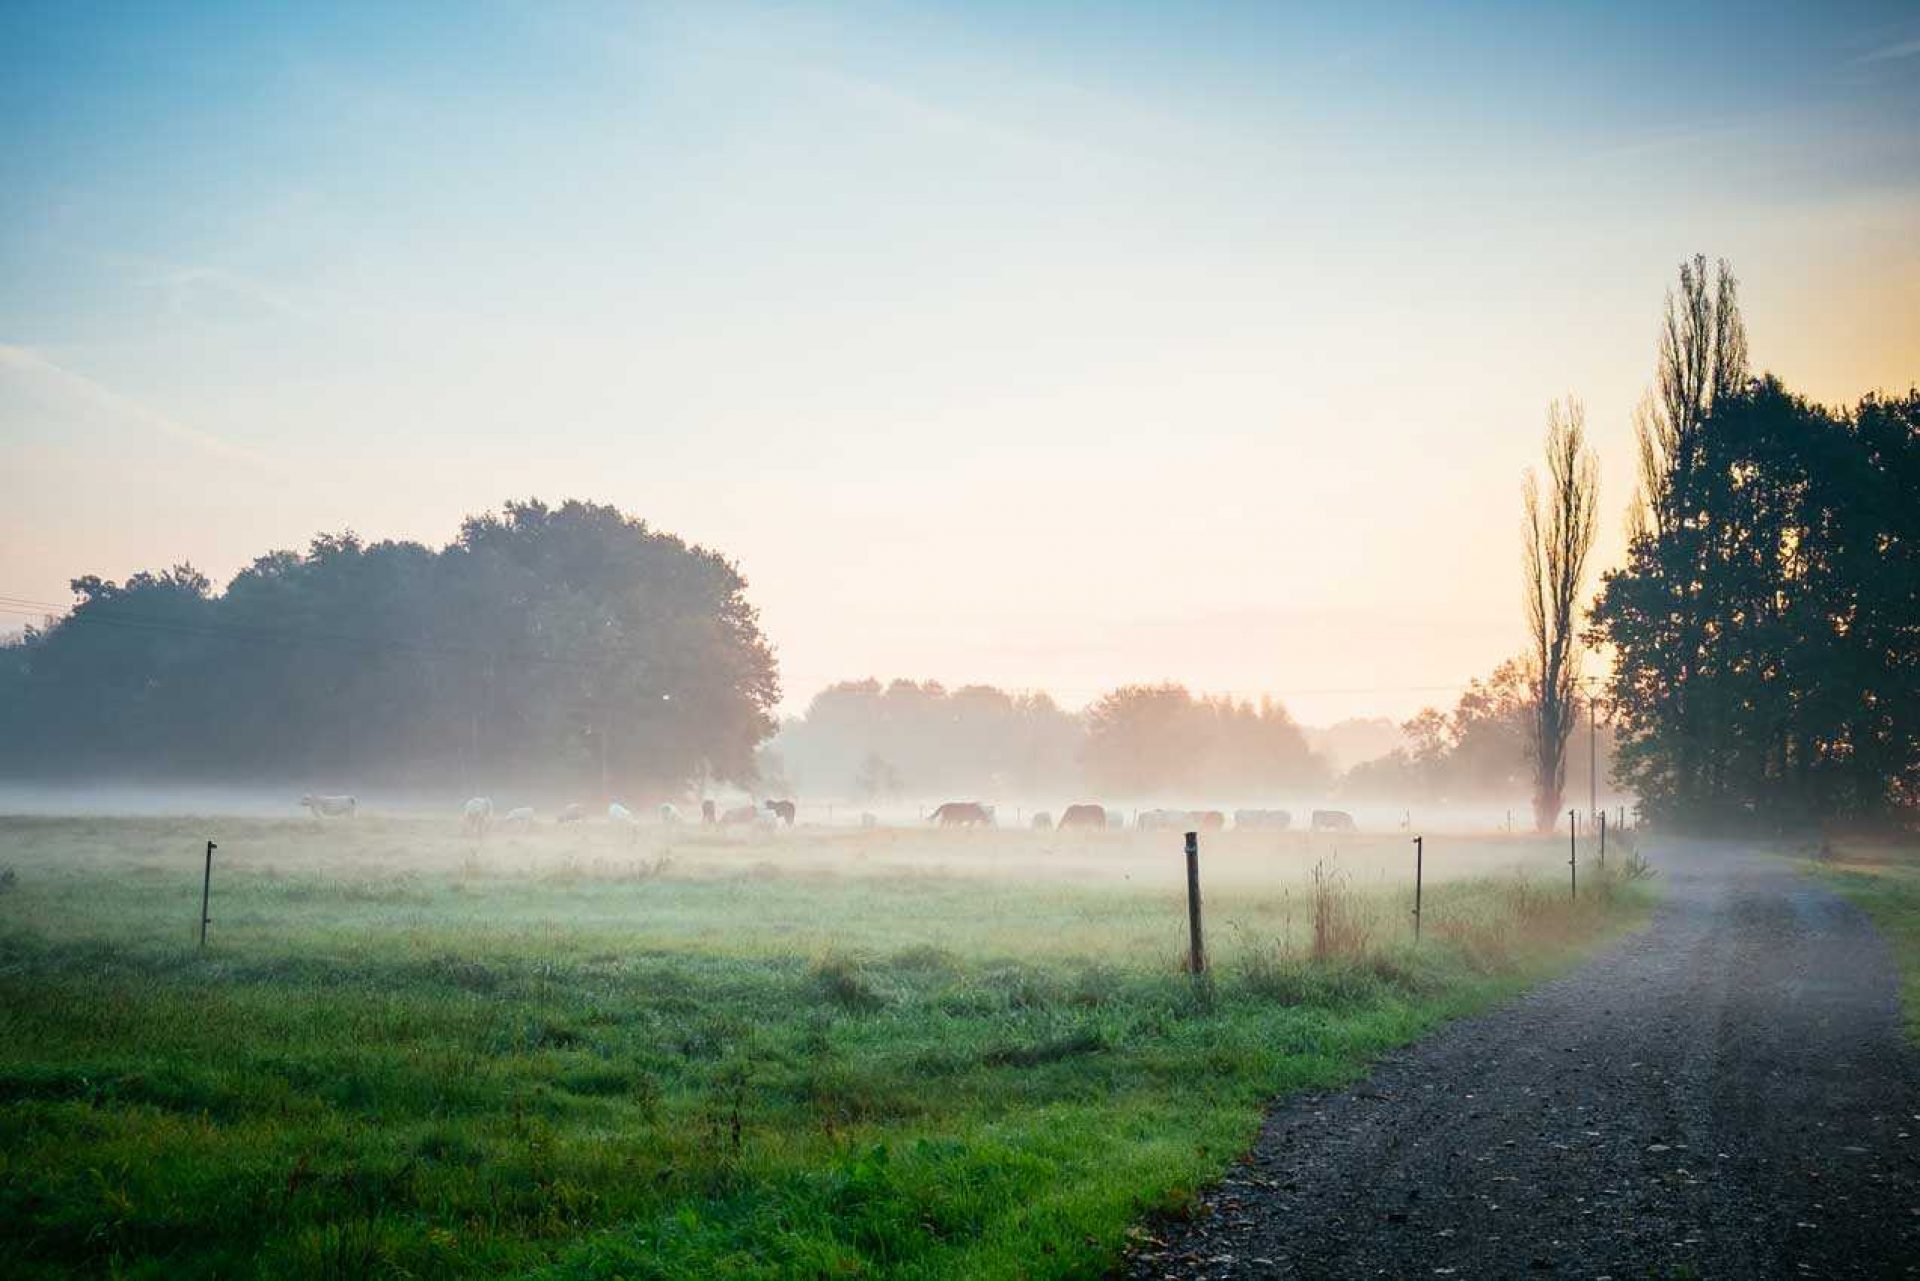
point(1883, 877)
point(573, 1054)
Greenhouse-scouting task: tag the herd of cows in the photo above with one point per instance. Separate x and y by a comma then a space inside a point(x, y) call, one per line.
point(1097, 818)
point(478, 815)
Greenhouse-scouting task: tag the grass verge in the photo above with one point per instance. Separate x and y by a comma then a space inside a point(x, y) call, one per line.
point(1883, 877)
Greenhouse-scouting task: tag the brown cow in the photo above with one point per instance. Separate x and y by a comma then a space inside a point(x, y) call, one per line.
point(963, 814)
point(1091, 817)
point(783, 810)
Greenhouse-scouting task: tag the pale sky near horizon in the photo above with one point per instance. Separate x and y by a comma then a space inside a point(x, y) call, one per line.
point(1046, 346)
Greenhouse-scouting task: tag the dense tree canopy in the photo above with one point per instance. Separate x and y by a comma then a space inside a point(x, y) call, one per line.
point(570, 645)
point(1767, 623)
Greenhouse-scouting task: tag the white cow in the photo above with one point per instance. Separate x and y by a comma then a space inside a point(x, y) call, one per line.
point(1262, 820)
point(521, 816)
point(330, 806)
point(476, 815)
point(572, 812)
point(669, 815)
point(620, 813)
point(1166, 820)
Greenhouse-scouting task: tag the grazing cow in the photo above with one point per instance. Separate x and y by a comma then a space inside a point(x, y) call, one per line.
point(1093, 817)
point(1043, 821)
point(783, 810)
point(868, 821)
point(1165, 820)
point(620, 813)
point(669, 815)
point(521, 816)
point(739, 816)
point(963, 814)
point(708, 812)
point(330, 806)
point(476, 815)
point(572, 812)
point(1262, 820)
point(1332, 821)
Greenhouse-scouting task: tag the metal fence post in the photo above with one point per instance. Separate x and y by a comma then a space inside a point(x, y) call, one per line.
point(1573, 852)
point(206, 892)
point(1419, 857)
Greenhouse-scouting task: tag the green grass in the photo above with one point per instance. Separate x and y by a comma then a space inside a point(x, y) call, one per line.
point(825, 1055)
point(1884, 879)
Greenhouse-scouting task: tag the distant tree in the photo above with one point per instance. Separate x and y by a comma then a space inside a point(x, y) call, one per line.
point(1161, 740)
point(975, 739)
point(1476, 751)
point(1558, 538)
point(876, 779)
point(545, 644)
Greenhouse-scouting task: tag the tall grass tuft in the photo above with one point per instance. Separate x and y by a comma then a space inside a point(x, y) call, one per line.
point(1340, 930)
point(842, 981)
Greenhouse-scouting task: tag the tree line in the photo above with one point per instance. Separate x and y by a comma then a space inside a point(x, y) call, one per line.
point(570, 645)
point(907, 738)
point(1766, 623)
point(1765, 629)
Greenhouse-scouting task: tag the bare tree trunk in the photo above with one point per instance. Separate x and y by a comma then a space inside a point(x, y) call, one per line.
point(1559, 534)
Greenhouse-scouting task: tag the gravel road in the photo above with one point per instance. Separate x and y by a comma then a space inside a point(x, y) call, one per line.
point(1725, 1095)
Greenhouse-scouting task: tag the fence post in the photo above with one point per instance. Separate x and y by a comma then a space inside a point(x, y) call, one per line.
point(206, 891)
point(1196, 943)
point(1603, 840)
point(1573, 852)
point(1419, 857)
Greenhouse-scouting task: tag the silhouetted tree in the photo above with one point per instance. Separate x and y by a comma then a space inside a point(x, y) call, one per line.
point(1767, 632)
point(1558, 537)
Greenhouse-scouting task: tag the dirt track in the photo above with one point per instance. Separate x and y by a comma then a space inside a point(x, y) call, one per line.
point(1726, 1095)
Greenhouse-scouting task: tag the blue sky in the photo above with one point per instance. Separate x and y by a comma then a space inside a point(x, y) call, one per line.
point(1048, 345)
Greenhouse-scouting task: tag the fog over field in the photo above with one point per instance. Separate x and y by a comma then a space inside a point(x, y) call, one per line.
point(936, 641)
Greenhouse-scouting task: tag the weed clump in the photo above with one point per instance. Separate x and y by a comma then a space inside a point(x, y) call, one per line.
point(842, 981)
point(1339, 928)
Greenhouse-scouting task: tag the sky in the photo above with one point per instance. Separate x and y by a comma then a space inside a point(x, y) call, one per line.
point(1051, 346)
